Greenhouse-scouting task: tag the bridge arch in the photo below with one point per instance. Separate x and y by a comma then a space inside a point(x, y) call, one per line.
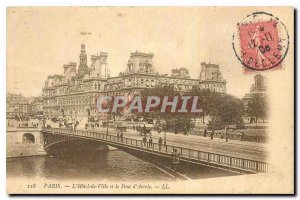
point(73, 145)
point(53, 143)
point(28, 138)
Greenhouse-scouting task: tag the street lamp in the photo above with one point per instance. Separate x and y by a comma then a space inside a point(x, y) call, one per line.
point(226, 134)
point(106, 123)
point(165, 134)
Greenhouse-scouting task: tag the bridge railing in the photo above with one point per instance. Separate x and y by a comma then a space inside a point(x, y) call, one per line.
point(52, 140)
point(191, 154)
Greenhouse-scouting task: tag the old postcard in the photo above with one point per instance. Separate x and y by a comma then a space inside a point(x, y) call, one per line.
point(150, 100)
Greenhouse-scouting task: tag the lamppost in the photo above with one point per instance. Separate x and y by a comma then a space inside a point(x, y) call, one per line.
point(106, 123)
point(165, 134)
point(226, 133)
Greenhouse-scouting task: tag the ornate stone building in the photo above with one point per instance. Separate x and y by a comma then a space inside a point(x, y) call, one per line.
point(75, 93)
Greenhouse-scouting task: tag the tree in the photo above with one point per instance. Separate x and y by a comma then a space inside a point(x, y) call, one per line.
point(231, 110)
point(108, 104)
point(175, 121)
point(257, 107)
point(222, 108)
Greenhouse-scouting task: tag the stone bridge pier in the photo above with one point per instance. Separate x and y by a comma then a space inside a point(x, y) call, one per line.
point(27, 141)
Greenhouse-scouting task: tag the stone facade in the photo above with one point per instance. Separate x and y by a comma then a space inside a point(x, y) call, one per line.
point(17, 105)
point(258, 87)
point(37, 106)
point(75, 94)
point(24, 141)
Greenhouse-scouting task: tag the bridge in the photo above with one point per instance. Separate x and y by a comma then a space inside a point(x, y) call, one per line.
point(159, 153)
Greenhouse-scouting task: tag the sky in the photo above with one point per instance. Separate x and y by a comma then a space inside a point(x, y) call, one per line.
point(41, 40)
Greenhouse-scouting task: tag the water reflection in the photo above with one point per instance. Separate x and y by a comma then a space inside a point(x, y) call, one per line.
point(112, 165)
point(87, 160)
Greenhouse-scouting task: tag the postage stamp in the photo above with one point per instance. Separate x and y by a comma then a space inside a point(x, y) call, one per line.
point(261, 42)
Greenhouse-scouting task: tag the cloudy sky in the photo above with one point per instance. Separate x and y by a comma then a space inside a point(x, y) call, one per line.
point(41, 40)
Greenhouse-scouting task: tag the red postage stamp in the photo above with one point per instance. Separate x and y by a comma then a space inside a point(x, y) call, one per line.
point(261, 42)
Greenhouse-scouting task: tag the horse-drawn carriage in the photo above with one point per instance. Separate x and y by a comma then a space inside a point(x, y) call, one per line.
point(121, 127)
point(69, 125)
point(144, 131)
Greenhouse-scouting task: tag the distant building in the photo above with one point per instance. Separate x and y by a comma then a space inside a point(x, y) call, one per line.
point(37, 106)
point(211, 78)
point(75, 93)
point(17, 105)
point(259, 87)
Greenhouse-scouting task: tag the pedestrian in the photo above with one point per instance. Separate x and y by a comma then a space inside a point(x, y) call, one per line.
point(133, 127)
point(159, 143)
point(212, 134)
point(222, 134)
point(145, 140)
point(150, 142)
point(158, 130)
point(205, 132)
point(121, 137)
point(175, 159)
point(242, 136)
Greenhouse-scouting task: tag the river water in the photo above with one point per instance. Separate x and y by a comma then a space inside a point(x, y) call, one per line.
point(73, 162)
point(113, 165)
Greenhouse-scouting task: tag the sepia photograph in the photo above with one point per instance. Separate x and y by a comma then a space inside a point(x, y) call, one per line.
point(150, 100)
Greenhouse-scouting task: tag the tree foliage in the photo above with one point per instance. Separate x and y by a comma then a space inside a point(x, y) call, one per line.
point(223, 108)
point(257, 107)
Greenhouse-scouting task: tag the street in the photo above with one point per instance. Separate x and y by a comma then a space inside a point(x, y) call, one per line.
point(249, 150)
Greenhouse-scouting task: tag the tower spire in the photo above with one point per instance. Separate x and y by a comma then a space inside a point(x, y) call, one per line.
point(82, 61)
